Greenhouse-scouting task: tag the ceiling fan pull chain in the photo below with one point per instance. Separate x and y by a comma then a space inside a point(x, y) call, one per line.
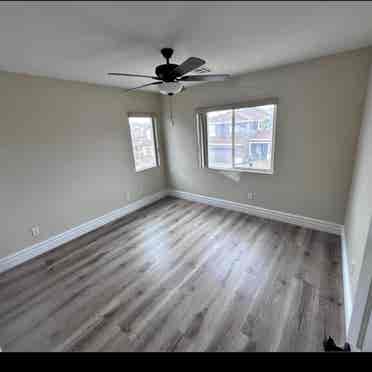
point(171, 111)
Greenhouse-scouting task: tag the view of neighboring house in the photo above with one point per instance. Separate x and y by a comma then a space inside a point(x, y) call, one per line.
point(142, 134)
point(251, 145)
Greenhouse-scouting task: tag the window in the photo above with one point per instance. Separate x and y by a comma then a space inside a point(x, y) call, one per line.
point(220, 144)
point(144, 141)
point(238, 137)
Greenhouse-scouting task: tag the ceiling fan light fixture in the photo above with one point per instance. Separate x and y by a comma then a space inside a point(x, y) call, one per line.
point(170, 88)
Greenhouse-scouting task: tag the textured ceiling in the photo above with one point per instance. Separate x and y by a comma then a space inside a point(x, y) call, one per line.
point(83, 41)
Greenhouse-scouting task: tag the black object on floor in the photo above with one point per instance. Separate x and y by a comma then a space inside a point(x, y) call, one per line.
point(330, 345)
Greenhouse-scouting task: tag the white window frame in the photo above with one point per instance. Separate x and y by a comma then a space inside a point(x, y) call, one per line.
point(202, 136)
point(155, 135)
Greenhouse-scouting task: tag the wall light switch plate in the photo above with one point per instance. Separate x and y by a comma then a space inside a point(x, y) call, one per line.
point(128, 195)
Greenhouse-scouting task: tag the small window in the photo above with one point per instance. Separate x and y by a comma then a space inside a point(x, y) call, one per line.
point(238, 138)
point(144, 141)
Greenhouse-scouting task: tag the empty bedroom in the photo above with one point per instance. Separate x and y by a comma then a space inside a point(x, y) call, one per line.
point(185, 176)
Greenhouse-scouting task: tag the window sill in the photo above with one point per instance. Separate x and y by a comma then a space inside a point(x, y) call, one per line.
point(240, 170)
point(145, 169)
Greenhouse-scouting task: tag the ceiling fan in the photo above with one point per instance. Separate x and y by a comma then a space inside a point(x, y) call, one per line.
point(170, 76)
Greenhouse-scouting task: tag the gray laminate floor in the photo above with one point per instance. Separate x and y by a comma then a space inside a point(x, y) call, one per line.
point(178, 276)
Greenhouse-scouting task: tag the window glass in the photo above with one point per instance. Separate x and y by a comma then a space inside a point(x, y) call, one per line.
point(254, 137)
point(143, 142)
point(219, 129)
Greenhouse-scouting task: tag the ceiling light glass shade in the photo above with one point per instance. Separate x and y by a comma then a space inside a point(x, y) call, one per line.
point(170, 88)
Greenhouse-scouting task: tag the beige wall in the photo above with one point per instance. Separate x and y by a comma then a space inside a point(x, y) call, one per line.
point(359, 211)
point(319, 115)
point(65, 155)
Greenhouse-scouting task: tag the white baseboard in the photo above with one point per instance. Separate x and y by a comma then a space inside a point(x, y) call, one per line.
point(294, 219)
point(348, 304)
point(37, 249)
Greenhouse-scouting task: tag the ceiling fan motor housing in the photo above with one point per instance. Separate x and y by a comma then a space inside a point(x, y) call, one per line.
point(164, 71)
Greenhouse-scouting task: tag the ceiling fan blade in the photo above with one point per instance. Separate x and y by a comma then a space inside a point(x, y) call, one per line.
point(133, 75)
point(189, 65)
point(142, 86)
point(204, 77)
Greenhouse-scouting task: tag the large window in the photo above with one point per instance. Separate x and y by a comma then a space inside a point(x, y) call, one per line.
point(240, 138)
point(144, 143)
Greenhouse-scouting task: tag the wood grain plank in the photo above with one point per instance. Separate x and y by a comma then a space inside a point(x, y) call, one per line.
point(178, 276)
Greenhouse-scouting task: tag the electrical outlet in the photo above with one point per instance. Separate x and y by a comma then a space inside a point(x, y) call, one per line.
point(353, 264)
point(128, 195)
point(35, 231)
point(251, 195)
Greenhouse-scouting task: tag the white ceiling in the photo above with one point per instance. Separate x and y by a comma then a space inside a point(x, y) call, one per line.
point(85, 40)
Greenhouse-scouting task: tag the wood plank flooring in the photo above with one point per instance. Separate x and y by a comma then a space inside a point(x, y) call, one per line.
point(178, 276)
